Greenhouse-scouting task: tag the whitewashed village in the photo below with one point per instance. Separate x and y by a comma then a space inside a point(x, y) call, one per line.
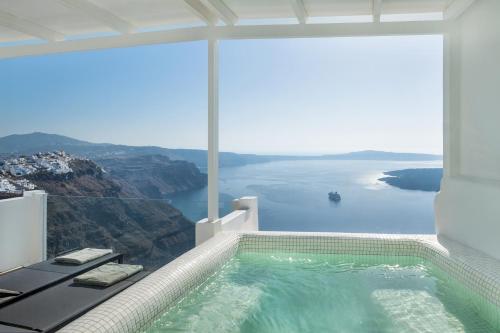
point(14, 170)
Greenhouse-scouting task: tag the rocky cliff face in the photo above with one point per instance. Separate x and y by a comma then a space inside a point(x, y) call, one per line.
point(147, 232)
point(153, 176)
point(87, 179)
point(89, 208)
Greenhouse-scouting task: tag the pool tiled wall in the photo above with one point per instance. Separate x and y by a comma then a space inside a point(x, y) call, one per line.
point(474, 273)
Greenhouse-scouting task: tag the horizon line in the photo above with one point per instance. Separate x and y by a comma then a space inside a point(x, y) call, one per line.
point(281, 154)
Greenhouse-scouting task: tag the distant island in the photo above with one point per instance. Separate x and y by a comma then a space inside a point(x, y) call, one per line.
point(27, 144)
point(428, 179)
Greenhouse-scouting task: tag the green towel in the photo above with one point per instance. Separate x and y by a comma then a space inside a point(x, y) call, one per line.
point(108, 274)
point(82, 256)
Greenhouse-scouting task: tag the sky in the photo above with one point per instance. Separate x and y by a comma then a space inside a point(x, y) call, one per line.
point(289, 96)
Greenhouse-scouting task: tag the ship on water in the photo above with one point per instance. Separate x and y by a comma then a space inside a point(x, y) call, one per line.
point(334, 196)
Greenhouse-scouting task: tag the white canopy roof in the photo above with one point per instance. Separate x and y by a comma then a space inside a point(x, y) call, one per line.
point(45, 26)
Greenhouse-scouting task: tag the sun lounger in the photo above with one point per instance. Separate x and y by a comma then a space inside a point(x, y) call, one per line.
point(27, 281)
point(107, 275)
point(34, 278)
point(52, 308)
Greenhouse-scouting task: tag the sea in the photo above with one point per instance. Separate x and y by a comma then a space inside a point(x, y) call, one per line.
point(293, 196)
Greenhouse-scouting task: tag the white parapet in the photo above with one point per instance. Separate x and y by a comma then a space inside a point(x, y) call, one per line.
point(467, 211)
point(245, 217)
point(23, 230)
point(468, 206)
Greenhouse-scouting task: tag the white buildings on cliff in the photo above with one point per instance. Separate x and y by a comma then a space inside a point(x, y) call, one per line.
point(13, 170)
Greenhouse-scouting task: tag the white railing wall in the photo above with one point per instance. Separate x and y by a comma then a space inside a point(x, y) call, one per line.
point(243, 218)
point(23, 230)
point(468, 206)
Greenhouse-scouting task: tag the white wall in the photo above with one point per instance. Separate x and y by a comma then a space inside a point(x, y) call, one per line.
point(468, 207)
point(243, 218)
point(23, 230)
point(480, 90)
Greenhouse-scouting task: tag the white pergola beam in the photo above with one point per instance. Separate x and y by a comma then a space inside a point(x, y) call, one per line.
point(300, 10)
point(456, 9)
point(137, 39)
point(376, 10)
point(100, 14)
point(232, 32)
point(202, 11)
point(224, 12)
point(27, 27)
point(331, 30)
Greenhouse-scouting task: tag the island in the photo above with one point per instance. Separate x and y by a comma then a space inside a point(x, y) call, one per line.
point(427, 179)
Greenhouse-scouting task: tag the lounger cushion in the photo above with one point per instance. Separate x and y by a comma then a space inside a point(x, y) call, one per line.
point(45, 274)
point(82, 256)
point(25, 281)
point(108, 274)
point(51, 308)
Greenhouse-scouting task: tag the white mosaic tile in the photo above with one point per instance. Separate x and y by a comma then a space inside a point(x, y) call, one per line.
point(138, 305)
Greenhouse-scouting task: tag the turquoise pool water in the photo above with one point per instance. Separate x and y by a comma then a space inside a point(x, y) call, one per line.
point(324, 293)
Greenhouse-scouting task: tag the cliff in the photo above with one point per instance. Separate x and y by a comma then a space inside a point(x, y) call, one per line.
point(153, 176)
point(87, 208)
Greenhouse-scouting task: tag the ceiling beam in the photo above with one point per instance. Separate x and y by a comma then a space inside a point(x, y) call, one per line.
point(331, 30)
point(232, 32)
point(100, 14)
point(224, 12)
point(202, 11)
point(300, 10)
point(456, 9)
point(108, 42)
point(18, 24)
point(376, 10)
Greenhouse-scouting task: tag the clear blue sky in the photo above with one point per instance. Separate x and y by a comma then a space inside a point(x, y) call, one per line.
point(276, 96)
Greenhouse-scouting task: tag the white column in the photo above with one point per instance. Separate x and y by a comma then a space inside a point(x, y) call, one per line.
point(213, 130)
point(446, 105)
point(452, 102)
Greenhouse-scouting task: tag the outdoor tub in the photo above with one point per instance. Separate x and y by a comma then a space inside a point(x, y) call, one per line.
point(310, 282)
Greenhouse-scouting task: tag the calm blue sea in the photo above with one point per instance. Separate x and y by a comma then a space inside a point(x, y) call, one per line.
point(293, 196)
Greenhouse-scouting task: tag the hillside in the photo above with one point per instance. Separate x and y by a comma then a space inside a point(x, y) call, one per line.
point(34, 142)
point(87, 208)
point(153, 176)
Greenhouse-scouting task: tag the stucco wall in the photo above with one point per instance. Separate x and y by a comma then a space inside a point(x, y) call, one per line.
point(468, 207)
point(23, 230)
point(480, 90)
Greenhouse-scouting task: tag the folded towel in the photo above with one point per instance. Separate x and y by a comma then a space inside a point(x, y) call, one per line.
point(82, 256)
point(108, 274)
